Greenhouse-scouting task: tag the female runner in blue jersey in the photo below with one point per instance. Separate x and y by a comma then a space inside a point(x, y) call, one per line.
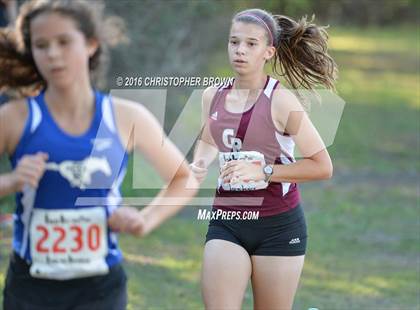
point(70, 141)
point(257, 119)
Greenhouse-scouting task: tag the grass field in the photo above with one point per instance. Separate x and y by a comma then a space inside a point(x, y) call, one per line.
point(364, 244)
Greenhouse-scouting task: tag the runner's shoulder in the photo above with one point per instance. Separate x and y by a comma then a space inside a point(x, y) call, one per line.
point(208, 96)
point(129, 109)
point(13, 116)
point(285, 101)
point(14, 110)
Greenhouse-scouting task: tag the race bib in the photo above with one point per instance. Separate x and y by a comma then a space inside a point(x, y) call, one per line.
point(241, 184)
point(68, 244)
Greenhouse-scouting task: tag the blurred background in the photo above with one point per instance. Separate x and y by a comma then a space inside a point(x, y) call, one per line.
point(364, 223)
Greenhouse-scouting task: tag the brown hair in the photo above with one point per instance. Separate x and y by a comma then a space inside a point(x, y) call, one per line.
point(16, 61)
point(301, 48)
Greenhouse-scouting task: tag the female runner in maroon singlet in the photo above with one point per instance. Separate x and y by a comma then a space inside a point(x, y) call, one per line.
point(256, 114)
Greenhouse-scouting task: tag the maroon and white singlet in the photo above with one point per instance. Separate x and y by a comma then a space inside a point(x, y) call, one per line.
point(256, 132)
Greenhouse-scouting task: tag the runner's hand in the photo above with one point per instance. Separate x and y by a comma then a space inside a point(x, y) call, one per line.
point(29, 171)
point(238, 170)
point(199, 170)
point(127, 220)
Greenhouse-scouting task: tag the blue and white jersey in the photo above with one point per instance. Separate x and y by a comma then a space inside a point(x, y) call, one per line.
point(62, 238)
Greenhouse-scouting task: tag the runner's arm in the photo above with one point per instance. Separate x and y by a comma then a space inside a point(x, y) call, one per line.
point(206, 149)
point(315, 164)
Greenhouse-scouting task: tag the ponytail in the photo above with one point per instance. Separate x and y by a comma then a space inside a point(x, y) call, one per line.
point(301, 49)
point(302, 54)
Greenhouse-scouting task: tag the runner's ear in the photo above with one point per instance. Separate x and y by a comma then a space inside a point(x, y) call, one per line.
point(92, 45)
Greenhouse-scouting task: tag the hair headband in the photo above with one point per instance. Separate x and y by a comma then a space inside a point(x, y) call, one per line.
point(262, 22)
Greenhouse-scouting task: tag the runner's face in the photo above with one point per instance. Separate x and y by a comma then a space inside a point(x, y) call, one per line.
point(60, 50)
point(248, 49)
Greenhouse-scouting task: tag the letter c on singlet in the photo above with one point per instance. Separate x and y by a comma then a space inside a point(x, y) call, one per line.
point(229, 140)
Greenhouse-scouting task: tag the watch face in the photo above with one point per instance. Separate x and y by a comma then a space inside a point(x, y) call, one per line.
point(268, 170)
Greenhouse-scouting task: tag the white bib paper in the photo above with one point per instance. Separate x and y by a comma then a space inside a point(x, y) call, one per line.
point(68, 244)
point(240, 184)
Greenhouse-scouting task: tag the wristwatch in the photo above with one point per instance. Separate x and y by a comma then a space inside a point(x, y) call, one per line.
point(268, 171)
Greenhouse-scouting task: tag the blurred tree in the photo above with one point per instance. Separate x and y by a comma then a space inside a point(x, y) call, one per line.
point(176, 37)
point(348, 12)
point(168, 37)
